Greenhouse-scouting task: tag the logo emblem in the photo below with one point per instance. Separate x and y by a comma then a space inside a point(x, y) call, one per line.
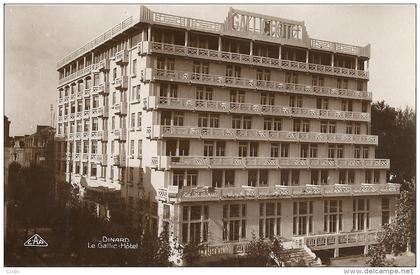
point(36, 240)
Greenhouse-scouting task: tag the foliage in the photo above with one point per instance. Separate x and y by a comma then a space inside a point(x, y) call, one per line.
point(396, 130)
point(376, 256)
point(191, 254)
point(277, 248)
point(259, 251)
point(164, 251)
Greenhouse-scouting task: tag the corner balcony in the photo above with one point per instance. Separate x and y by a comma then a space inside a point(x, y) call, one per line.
point(121, 83)
point(253, 60)
point(80, 73)
point(100, 111)
point(150, 74)
point(104, 65)
point(120, 108)
point(121, 57)
point(103, 88)
point(153, 102)
point(208, 193)
point(119, 160)
point(121, 134)
point(159, 132)
point(203, 162)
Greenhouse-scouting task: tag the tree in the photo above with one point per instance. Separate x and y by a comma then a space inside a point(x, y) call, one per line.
point(376, 256)
point(258, 252)
point(191, 254)
point(396, 131)
point(164, 249)
point(281, 254)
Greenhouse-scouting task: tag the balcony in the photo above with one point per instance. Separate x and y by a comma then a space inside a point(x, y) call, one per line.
point(150, 74)
point(120, 134)
point(202, 162)
point(159, 132)
point(104, 65)
point(153, 102)
point(119, 160)
point(103, 88)
point(86, 92)
point(80, 73)
point(120, 108)
point(121, 83)
point(207, 193)
point(96, 135)
point(98, 158)
point(331, 241)
point(121, 57)
point(79, 114)
point(221, 56)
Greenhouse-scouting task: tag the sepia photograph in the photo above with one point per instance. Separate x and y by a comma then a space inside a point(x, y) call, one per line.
point(209, 135)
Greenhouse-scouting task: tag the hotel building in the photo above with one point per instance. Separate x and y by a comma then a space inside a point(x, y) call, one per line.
point(247, 127)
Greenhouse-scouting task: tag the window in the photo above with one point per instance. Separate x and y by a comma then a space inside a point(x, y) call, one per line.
point(169, 90)
point(385, 211)
point(241, 122)
point(139, 120)
point(85, 169)
point(195, 223)
point(333, 216)
point(291, 78)
point(257, 177)
point(223, 178)
point(214, 148)
point(289, 177)
point(236, 96)
point(347, 105)
point(203, 93)
point(94, 148)
point(132, 147)
point(270, 219)
point(178, 119)
point(86, 125)
point(275, 150)
point(361, 219)
point(234, 222)
point(231, 72)
point(165, 63)
point(365, 152)
point(134, 67)
point(95, 126)
point(368, 176)
point(300, 125)
point(139, 148)
point(365, 107)
point(335, 151)
point(86, 147)
point(208, 120)
point(274, 124)
point(295, 101)
point(200, 68)
point(356, 152)
point(342, 83)
point(317, 81)
point(302, 217)
point(263, 75)
point(313, 150)
point(133, 120)
point(322, 103)
point(267, 99)
point(284, 150)
point(184, 177)
point(87, 104)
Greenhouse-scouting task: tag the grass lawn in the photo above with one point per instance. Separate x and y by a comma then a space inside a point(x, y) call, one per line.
point(404, 260)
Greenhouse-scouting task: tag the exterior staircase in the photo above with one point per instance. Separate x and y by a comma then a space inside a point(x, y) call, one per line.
point(297, 255)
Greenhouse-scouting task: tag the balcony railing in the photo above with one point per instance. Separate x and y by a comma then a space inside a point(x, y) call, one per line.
point(121, 82)
point(120, 108)
point(252, 60)
point(104, 65)
point(119, 160)
point(153, 102)
point(208, 193)
point(158, 132)
point(121, 57)
point(82, 72)
point(202, 162)
point(103, 88)
point(236, 82)
point(328, 241)
point(120, 134)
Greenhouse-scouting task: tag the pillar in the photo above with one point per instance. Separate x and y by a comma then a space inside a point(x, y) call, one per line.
point(332, 60)
point(251, 48)
point(220, 44)
point(280, 52)
point(149, 33)
point(84, 62)
point(307, 56)
point(143, 35)
point(186, 38)
point(365, 249)
point(357, 63)
point(336, 252)
point(367, 66)
point(93, 58)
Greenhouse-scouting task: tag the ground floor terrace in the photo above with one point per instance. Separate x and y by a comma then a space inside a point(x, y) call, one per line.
point(319, 223)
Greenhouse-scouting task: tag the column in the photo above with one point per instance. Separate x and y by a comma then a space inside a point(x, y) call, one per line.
point(307, 56)
point(186, 38)
point(332, 60)
point(143, 35)
point(93, 58)
point(220, 44)
point(84, 62)
point(280, 52)
point(336, 252)
point(367, 65)
point(365, 249)
point(77, 65)
point(357, 63)
point(251, 48)
point(149, 33)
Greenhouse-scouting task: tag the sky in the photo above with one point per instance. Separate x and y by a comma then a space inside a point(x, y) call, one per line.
point(37, 36)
